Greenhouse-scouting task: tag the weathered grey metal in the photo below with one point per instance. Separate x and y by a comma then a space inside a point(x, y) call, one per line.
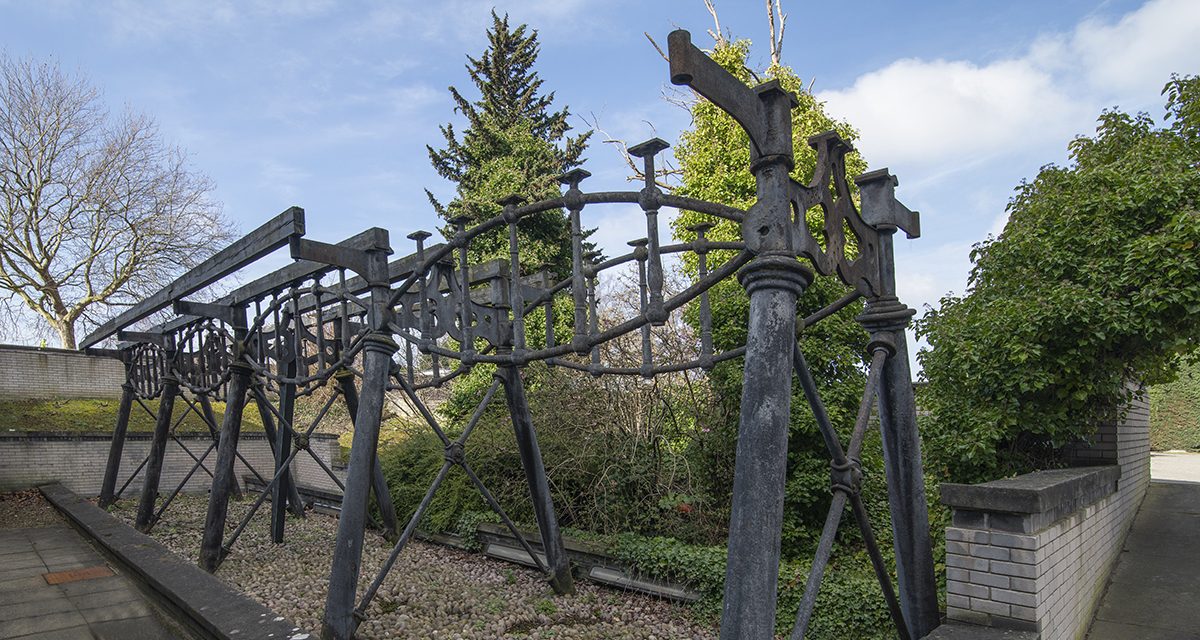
point(383, 497)
point(535, 474)
point(444, 316)
point(339, 620)
point(117, 446)
point(886, 318)
point(223, 476)
point(773, 279)
point(158, 448)
point(258, 243)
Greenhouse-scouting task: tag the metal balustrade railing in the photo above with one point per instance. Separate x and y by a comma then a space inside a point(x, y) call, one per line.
point(344, 317)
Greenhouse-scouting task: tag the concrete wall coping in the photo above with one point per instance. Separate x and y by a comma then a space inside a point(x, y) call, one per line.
point(1037, 492)
point(207, 605)
point(55, 350)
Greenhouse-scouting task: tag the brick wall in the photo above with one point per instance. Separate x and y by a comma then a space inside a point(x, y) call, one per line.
point(1034, 552)
point(30, 372)
point(78, 461)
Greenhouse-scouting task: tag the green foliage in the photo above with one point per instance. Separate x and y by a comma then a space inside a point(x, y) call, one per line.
point(1175, 412)
point(1094, 281)
point(714, 160)
point(510, 146)
point(849, 605)
point(606, 477)
point(99, 415)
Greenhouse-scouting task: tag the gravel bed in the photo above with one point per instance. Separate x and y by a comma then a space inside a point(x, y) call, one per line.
point(431, 592)
point(22, 509)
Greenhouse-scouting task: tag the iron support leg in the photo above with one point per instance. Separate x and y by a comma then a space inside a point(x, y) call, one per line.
point(223, 476)
point(383, 496)
point(210, 416)
point(268, 421)
point(748, 612)
point(339, 622)
point(109, 486)
point(535, 473)
point(886, 319)
point(158, 449)
point(281, 492)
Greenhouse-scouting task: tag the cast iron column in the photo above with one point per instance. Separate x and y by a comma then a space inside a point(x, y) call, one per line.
point(535, 474)
point(210, 417)
point(383, 497)
point(886, 318)
point(340, 622)
point(224, 480)
point(158, 448)
point(109, 486)
point(281, 492)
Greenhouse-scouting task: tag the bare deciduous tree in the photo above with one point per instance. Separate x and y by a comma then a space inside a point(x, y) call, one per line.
point(97, 210)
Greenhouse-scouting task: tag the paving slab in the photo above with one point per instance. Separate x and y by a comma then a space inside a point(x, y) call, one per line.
point(36, 605)
point(1154, 590)
point(195, 598)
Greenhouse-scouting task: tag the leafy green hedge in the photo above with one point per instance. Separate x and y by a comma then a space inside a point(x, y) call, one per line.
point(849, 604)
point(1175, 412)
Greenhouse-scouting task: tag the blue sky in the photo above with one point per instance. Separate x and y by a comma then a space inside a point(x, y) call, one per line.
point(330, 105)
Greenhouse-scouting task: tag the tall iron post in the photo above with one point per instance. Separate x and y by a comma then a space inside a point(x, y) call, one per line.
point(339, 622)
point(535, 474)
point(886, 318)
point(210, 417)
point(109, 486)
point(158, 449)
point(773, 280)
point(224, 480)
point(383, 497)
point(280, 493)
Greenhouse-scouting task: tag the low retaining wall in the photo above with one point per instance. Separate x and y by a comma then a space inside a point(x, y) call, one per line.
point(204, 603)
point(1034, 552)
point(35, 373)
point(78, 461)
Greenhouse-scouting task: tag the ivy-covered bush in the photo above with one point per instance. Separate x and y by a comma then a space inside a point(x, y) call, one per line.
point(1175, 412)
point(849, 604)
point(1094, 281)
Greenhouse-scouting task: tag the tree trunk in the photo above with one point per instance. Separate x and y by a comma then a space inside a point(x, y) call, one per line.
point(66, 333)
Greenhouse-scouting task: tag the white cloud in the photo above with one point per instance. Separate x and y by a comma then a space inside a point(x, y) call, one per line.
point(914, 110)
point(944, 112)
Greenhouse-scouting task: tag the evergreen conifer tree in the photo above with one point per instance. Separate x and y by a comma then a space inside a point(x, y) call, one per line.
point(513, 144)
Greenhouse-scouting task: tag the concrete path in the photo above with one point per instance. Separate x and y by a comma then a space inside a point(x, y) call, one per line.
point(53, 585)
point(1154, 592)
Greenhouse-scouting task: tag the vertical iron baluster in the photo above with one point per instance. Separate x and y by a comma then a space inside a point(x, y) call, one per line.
point(345, 324)
point(648, 200)
point(320, 328)
point(298, 331)
point(640, 252)
point(516, 299)
point(592, 259)
point(574, 201)
point(706, 339)
point(464, 289)
point(276, 302)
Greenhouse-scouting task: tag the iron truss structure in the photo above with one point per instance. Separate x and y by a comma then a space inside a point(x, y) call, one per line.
point(344, 318)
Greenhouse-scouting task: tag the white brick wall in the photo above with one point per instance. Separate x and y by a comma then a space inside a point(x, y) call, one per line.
point(27, 372)
point(1051, 580)
point(78, 462)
